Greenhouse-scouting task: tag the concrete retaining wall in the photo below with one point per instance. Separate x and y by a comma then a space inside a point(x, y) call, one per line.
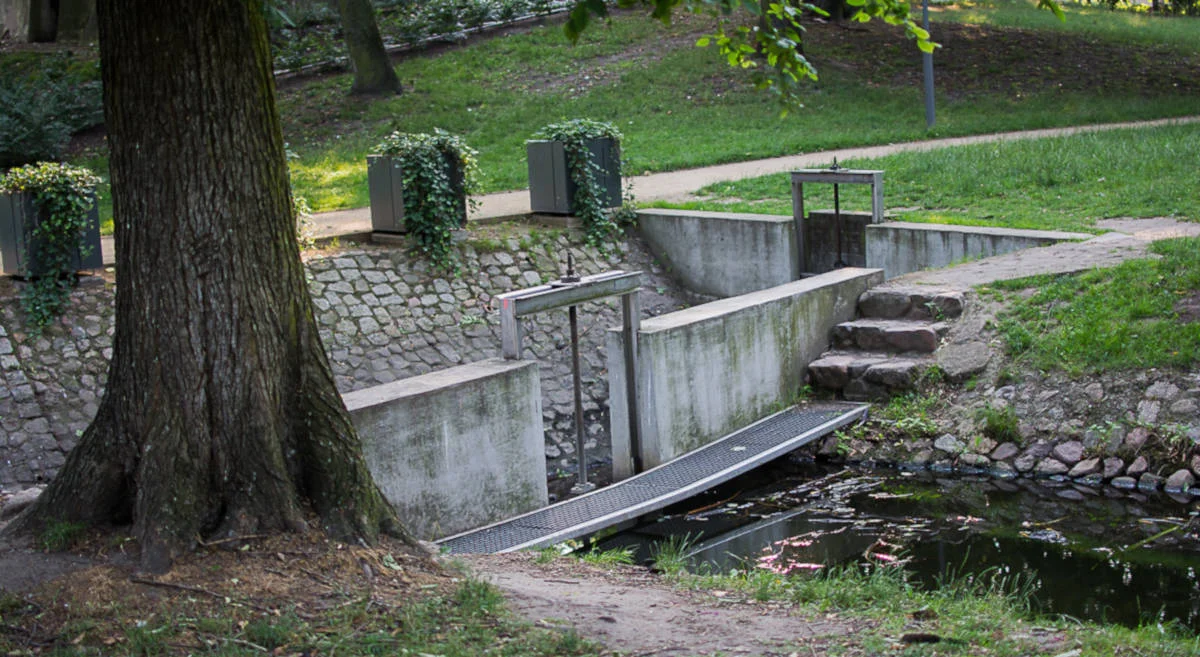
point(899, 247)
point(722, 254)
point(711, 369)
point(820, 229)
point(458, 448)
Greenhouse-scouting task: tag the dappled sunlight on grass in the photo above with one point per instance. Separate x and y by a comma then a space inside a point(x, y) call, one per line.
point(332, 183)
point(678, 106)
point(1110, 319)
point(1175, 32)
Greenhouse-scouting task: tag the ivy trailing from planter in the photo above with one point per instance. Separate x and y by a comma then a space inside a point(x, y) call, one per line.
point(439, 172)
point(601, 224)
point(63, 198)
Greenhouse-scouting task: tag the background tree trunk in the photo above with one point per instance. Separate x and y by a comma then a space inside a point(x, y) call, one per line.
point(373, 72)
point(221, 416)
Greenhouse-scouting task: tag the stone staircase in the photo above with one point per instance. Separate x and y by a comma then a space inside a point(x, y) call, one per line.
point(886, 350)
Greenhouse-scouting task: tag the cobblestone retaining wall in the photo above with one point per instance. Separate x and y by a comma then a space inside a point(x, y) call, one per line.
point(383, 316)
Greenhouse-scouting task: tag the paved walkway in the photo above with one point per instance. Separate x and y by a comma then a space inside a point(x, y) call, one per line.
point(1130, 239)
point(681, 185)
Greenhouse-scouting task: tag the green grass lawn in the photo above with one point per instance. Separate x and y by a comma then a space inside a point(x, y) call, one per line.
point(1133, 316)
point(1064, 183)
point(680, 106)
point(991, 613)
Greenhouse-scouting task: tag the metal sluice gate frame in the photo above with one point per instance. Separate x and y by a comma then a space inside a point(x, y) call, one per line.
point(662, 486)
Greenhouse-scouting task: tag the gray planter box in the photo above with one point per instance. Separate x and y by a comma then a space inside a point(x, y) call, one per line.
point(551, 189)
point(385, 184)
point(18, 249)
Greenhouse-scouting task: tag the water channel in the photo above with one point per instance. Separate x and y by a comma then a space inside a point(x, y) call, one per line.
point(1124, 557)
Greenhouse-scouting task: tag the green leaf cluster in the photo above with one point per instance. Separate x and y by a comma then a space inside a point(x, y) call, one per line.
point(63, 196)
point(600, 223)
point(775, 38)
point(439, 172)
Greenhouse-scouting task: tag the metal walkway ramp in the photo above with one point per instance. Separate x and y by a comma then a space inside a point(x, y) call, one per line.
point(666, 484)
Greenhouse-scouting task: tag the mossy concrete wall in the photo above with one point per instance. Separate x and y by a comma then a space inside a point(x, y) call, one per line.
point(711, 369)
point(722, 254)
point(899, 247)
point(821, 246)
point(458, 448)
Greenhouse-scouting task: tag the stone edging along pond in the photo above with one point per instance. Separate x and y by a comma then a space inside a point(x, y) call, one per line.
point(1130, 431)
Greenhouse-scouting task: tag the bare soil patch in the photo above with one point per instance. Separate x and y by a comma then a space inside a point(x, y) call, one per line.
point(90, 596)
point(1188, 309)
point(633, 611)
point(976, 59)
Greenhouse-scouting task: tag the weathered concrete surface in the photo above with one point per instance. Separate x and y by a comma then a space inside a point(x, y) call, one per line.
point(723, 254)
point(899, 247)
point(821, 241)
point(711, 369)
point(458, 448)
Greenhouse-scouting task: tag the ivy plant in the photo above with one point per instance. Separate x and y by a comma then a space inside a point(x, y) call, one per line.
point(600, 223)
point(63, 197)
point(439, 171)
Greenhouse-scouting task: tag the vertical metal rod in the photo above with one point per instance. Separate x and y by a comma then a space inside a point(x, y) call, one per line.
point(583, 484)
point(927, 65)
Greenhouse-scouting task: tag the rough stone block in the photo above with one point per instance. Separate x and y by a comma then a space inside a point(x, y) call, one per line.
point(895, 374)
point(831, 372)
point(1149, 481)
point(1180, 481)
point(885, 303)
point(961, 361)
point(1050, 466)
point(1070, 452)
point(1084, 468)
point(1124, 483)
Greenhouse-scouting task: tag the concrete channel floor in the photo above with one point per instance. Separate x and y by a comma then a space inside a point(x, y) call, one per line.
point(682, 185)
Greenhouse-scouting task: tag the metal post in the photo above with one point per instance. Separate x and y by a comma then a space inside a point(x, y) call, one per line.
point(927, 65)
point(798, 226)
point(582, 486)
point(630, 323)
point(837, 218)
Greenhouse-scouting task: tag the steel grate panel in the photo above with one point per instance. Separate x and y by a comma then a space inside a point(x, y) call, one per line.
point(689, 474)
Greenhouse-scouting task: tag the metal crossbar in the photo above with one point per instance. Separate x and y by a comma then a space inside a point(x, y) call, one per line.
point(664, 485)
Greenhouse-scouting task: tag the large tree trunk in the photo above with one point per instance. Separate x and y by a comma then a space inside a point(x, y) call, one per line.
point(221, 416)
point(373, 72)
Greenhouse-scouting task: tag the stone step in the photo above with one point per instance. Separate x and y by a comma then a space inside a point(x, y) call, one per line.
point(856, 372)
point(911, 303)
point(891, 335)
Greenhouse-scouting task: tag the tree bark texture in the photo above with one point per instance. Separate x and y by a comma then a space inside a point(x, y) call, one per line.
point(221, 416)
point(373, 72)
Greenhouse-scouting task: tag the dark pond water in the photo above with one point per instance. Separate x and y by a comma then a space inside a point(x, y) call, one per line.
point(1085, 551)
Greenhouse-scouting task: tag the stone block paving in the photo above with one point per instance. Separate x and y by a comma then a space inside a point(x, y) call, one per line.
point(383, 315)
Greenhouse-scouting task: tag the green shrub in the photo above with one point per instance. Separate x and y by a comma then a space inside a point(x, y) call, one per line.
point(999, 424)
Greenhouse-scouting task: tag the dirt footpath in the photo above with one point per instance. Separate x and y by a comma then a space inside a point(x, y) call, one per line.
point(634, 612)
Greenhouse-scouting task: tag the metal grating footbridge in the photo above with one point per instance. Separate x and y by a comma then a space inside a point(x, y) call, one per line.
point(683, 477)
